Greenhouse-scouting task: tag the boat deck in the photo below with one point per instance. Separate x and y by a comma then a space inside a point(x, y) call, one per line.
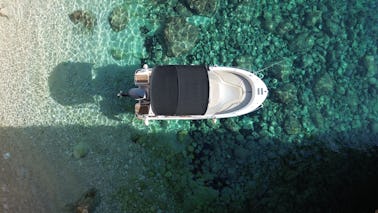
point(227, 91)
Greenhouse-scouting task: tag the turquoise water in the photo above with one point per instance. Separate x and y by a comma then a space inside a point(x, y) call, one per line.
point(313, 146)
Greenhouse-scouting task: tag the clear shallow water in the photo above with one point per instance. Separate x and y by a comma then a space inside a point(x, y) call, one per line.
point(312, 147)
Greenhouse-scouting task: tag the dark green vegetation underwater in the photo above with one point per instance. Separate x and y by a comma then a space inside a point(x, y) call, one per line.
point(198, 171)
point(213, 172)
point(312, 148)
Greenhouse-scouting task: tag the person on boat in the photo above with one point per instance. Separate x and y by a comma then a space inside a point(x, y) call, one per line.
point(136, 93)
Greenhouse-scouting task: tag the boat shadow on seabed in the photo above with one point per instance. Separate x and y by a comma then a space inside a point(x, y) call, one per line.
point(73, 84)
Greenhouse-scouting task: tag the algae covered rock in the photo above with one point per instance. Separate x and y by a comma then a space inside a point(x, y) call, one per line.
point(374, 127)
point(206, 8)
point(370, 65)
point(302, 42)
point(270, 23)
point(324, 84)
point(313, 17)
point(318, 119)
point(283, 71)
point(118, 54)
point(199, 199)
point(80, 150)
point(182, 136)
point(245, 61)
point(232, 125)
point(86, 18)
point(86, 203)
point(182, 10)
point(118, 18)
point(332, 24)
point(292, 125)
point(287, 94)
point(284, 28)
point(180, 37)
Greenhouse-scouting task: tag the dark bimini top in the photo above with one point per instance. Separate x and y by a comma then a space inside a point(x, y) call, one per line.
point(179, 90)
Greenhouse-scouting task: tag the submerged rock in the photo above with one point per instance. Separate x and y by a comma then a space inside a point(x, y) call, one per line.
point(80, 150)
point(312, 18)
point(6, 155)
point(324, 85)
point(270, 23)
point(283, 71)
point(374, 127)
point(284, 28)
point(370, 65)
point(317, 119)
point(86, 203)
point(245, 61)
point(180, 36)
point(200, 20)
point(303, 42)
point(118, 18)
point(182, 10)
point(118, 54)
point(332, 24)
point(232, 125)
point(292, 125)
point(287, 94)
point(206, 8)
point(86, 18)
point(182, 136)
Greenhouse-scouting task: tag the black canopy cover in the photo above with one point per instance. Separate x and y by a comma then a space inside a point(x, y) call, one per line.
point(179, 90)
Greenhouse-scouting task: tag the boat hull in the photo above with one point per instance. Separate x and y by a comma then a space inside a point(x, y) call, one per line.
point(232, 92)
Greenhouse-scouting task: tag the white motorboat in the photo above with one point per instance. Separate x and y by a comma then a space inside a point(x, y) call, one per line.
point(191, 92)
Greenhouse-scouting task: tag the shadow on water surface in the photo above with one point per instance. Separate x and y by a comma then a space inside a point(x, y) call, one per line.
point(79, 83)
point(188, 171)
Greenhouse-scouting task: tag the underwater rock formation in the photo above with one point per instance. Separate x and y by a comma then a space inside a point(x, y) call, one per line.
point(284, 28)
point(312, 18)
point(86, 203)
point(118, 54)
point(86, 18)
point(182, 10)
point(287, 94)
point(245, 61)
point(303, 42)
point(80, 150)
point(324, 85)
point(292, 126)
point(270, 23)
point(206, 8)
point(370, 65)
point(118, 18)
point(282, 71)
point(332, 24)
point(180, 36)
point(371, 70)
point(317, 119)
